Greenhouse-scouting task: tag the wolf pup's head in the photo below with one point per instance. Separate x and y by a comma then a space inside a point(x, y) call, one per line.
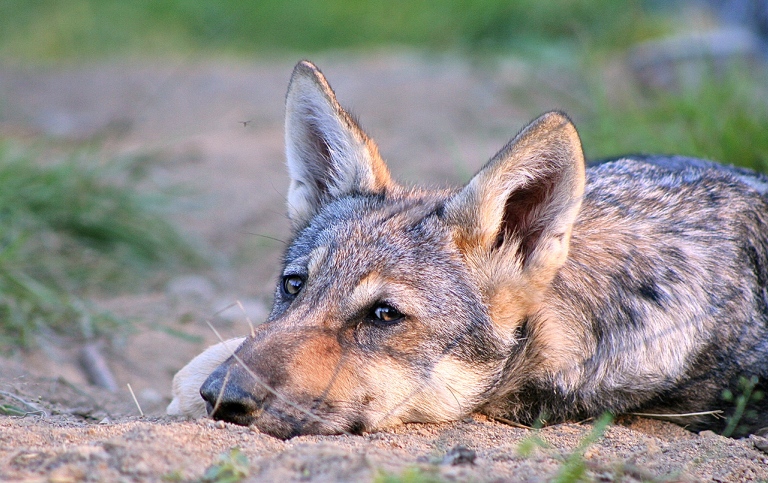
point(398, 304)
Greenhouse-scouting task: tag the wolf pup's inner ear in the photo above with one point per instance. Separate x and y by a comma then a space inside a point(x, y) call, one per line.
point(328, 154)
point(526, 198)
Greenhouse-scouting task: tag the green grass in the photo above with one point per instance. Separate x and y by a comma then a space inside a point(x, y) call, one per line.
point(410, 475)
point(230, 467)
point(742, 401)
point(722, 117)
point(76, 29)
point(70, 230)
point(574, 467)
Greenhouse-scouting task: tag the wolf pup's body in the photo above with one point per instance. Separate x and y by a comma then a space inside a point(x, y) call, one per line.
point(539, 289)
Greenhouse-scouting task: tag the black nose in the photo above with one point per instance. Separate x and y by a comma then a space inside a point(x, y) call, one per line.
point(227, 400)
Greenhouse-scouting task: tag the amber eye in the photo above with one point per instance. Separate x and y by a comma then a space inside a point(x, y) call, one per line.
point(292, 284)
point(385, 313)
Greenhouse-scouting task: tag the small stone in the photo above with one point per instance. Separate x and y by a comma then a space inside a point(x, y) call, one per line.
point(708, 434)
point(66, 474)
point(141, 468)
point(652, 447)
point(760, 443)
point(591, 453)
point(460, 455)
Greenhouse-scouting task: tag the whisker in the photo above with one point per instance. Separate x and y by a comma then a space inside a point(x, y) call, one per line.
point(266, 236)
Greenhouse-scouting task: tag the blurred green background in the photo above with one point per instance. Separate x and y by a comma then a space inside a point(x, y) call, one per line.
point(579, 35)
point(59, 241)
point(78, 29)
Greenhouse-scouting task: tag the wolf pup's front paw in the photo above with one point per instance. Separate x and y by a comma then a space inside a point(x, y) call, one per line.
point(187, 401)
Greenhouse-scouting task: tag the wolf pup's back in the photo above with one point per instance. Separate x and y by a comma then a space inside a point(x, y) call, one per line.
point(667, 282)
point(540, 289)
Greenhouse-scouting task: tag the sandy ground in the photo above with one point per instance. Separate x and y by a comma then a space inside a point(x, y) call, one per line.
point(215, 128)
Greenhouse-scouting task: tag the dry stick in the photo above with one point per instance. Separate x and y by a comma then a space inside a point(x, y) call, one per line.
point(35, 408)
point(717, 413)
point(247, 319)
point(221, 393)
point(219, 312)
point(96, 368)
point(84, 394)
point(509, 422)
point(135, 400)
point(226, 380)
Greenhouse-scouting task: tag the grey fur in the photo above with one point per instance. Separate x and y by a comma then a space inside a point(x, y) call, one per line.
point(539, 290)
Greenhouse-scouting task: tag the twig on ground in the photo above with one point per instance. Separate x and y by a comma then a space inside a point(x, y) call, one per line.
point(35, 409)
point(509, 422)
point(98, 406)
point(716, 413)
point(95, 367)
point(135, 400)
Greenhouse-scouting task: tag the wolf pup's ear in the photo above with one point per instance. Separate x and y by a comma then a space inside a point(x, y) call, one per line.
point(525, 199)
point(328, 154)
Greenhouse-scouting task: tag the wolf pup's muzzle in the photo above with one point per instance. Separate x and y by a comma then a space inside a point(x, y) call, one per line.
point(227, 399)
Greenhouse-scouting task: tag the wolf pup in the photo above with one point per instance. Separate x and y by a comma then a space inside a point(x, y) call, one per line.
point(541, 289)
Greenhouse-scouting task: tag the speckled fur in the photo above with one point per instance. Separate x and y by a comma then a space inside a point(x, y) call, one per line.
point(540, 289)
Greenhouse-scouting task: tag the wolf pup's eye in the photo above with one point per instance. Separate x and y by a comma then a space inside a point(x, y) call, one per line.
point(292, 284)
point(386, 314)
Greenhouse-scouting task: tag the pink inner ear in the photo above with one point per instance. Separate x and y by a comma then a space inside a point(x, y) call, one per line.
point(525, 214)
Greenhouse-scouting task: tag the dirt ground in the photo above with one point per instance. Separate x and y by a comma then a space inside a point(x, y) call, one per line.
point(215, 128)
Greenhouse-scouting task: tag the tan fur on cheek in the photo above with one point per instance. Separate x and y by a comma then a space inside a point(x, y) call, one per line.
point(320, 368)
point(391, 393)
point(454, 389)
point(399, 396)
